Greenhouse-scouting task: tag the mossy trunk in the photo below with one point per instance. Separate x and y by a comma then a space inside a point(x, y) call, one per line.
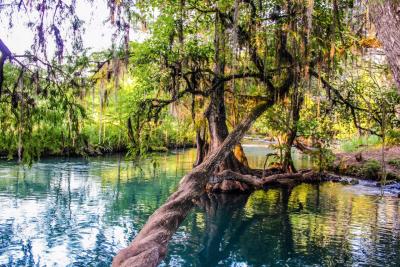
point(216, 111)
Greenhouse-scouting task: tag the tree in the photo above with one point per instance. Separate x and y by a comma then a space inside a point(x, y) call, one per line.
point(280, 42)
point(221, 60)
point(150, 245)
point(386, 16)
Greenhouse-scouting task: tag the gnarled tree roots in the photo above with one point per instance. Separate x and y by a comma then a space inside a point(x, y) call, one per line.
point(229, 181)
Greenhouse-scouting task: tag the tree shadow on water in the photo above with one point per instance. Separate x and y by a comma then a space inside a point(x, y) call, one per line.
point(227, 225)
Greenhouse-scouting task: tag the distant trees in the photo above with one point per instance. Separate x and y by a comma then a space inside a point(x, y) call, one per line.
point(216, 59)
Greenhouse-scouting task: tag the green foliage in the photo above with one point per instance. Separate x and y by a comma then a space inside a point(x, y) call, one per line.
point(323, 158)
point(395, 162)
point(393, 137)
point(43, 117)
point(57, 119)
point(357, 143)
point(164, 82)
point(369, 170)
point(375, 100)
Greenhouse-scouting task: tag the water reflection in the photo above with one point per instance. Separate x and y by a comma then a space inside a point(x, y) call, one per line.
point(310, 225)
point(221, 215)
point(81, 212)
point(258, 150)
point(78, 211)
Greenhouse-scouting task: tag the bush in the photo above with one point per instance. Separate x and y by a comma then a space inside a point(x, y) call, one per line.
point(324, 159)
point(393, 137)
point(370, 170)
point(356, 143)
point(395, 162)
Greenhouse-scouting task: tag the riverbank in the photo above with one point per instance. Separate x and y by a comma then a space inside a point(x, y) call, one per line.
point(83, 211)
point(94, 151)
point(347, 168)
point(367, 164)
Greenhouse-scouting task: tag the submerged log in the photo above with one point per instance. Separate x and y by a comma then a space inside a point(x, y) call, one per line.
point(150, 246)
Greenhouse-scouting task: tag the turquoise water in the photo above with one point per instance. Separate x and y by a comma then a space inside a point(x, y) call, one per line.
point(80, 212)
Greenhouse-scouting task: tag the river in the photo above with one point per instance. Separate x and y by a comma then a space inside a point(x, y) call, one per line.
point(80, 212)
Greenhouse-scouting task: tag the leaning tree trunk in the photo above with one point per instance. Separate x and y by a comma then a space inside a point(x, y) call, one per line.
point(150, 246)
point(386, 17)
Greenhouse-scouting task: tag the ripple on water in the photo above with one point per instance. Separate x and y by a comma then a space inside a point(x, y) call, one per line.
point(81, 212)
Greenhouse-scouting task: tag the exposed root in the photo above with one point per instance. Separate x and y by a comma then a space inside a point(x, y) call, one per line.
point(229, 181)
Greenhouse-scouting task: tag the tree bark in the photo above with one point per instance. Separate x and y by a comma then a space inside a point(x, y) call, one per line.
point(218, 130)
point(150, 246)
point(228, 181)
point(216, 111)
point(386, 16)
point(201, 146)
point(5, 54)
point(288, 165)
point(297, 101)
point(216, 117)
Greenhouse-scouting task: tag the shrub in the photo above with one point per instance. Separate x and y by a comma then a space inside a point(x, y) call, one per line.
point(395, 162)
point(393, 137)
point(356, 143)
point(370, 170)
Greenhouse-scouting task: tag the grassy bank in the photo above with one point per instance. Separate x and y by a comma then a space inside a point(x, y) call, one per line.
point(367, 163)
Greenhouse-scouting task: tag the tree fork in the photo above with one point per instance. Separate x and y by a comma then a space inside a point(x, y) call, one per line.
point(216, 110)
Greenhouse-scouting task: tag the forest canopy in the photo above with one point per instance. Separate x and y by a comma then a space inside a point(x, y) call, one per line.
point(197, 60)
